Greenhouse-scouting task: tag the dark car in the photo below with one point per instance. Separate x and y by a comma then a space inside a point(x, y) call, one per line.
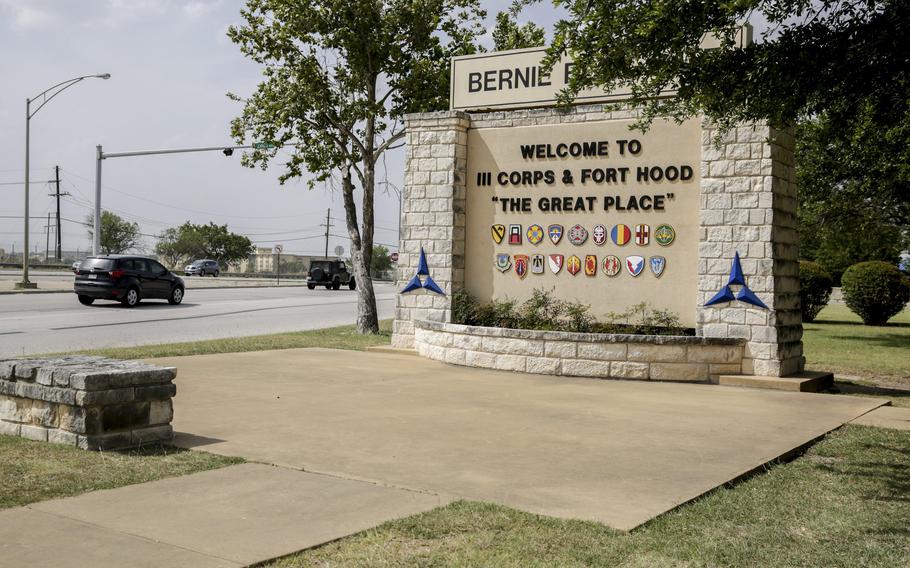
point(126, 279)
point(329, 273)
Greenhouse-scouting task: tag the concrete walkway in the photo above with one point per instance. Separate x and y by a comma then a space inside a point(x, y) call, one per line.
point(381, 436)
point(618, 452)
point(886, 417)
point(230, 517)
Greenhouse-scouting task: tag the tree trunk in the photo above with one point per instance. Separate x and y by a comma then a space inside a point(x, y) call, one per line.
point(367, 317)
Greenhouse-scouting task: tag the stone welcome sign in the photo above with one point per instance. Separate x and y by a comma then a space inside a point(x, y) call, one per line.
point(604, 216)
point(681, 216)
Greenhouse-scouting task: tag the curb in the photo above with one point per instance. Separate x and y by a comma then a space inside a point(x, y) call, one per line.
point(40, 291)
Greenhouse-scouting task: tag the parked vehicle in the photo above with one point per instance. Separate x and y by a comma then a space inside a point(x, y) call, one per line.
point(126, 279)
point(202, 267)
point(329, 273)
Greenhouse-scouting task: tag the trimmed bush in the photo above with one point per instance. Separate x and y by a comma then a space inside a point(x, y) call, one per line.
point(814, 289)
point(875, 291)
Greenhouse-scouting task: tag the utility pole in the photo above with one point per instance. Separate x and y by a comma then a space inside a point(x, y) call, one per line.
point(58, 252)
point(328, 223)
point(47, 238)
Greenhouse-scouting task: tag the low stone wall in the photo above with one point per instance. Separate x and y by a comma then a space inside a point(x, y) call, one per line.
point(614, 356)
point(93, 403)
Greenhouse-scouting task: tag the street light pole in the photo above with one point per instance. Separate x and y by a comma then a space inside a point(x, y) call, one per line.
point(57, 89)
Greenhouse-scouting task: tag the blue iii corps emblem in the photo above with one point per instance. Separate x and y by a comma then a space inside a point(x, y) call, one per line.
point(503, 262)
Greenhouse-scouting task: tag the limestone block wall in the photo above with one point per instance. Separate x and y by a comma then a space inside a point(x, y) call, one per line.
point(432, 216)
point(93, 403)
point(748, 205)
point(643, 357)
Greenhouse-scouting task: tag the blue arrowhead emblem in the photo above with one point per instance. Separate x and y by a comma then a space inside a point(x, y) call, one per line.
point(428, 283)
point(737, 278)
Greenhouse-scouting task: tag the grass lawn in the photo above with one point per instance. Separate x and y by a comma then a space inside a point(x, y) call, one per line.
point(845, 503)
point(838, 342)
point(344, 337)
point(36, 471)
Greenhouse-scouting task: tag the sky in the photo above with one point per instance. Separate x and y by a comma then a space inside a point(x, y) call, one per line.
point(171, 65)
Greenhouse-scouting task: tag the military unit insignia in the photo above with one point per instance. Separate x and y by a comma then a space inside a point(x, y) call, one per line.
point(634, 264)
point(521, 265)
point(514, 234)
point(658, 263)
point(590, 265)
point(555, 232)
point(612, 265)
point(621, 234)
point(555, 261)
point(499, 233)
point(573, 265)
point(642, 235)
point(578, 235)
point(503, 262)
point(664, 235)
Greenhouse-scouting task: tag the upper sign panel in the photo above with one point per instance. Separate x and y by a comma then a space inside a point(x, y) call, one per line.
point(514, 79)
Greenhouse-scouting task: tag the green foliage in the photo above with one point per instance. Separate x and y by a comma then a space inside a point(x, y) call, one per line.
point(189, 242)
point(875, 291)
point(543, 311)
point(380, 260)
point(814, 289)
point(508, 34)
point(338, 79)
point(117, 234)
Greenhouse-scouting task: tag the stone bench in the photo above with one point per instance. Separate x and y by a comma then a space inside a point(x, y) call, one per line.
point(94, 403)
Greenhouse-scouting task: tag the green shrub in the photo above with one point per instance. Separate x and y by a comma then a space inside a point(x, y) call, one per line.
point(875, 291)
point(814, 289)
point(464, 307)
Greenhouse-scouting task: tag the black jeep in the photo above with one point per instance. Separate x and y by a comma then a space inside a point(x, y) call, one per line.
point(329, 273)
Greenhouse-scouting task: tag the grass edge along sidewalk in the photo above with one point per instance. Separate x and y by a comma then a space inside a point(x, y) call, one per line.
point(842, 504)
point(38, 471)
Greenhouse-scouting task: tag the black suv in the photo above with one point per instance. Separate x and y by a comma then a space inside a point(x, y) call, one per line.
point(329, 273)
point(126, 279)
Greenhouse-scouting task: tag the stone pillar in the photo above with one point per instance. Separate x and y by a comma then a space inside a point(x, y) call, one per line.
point(433, 217)
point(748, 205)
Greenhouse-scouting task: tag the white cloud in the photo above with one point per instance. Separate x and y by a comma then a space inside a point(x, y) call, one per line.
point(26, 16)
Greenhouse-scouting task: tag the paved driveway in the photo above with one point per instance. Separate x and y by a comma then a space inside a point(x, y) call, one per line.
point(618, 452)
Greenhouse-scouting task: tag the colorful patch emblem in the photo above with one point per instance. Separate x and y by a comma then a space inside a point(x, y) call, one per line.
point(642, 235)
point(521, 265)
point(537, 264)
point(664, 235)
point(503, 262)
point(514, 234)
point(658, 263)
point(498, 232)
point(590, 265)
point(578, 235)
point(555, 261)
point(535, 234)
point(621, 234)
point(599, 233)
point(555, 232)
point(612, 265)
point(634, 264)
point(573, 265)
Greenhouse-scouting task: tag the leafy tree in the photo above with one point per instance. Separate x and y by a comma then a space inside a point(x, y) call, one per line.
point(117, 234)
point(508, 34)
point(339, 76)
point(189, 242)
point(381, 260)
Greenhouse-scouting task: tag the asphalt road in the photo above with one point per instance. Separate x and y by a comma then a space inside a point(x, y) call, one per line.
point(45, 323)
